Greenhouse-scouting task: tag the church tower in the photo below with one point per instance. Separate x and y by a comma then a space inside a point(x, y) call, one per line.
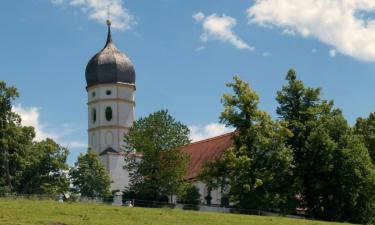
point(110, 77)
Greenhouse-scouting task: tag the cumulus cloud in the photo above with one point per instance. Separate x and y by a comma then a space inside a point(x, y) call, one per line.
point(220, 28)
point(200, 48)
point(31, 117)
point(289, 32)
point(202, 132)
point(345, 25)
point(98, 10)
point(332, 53)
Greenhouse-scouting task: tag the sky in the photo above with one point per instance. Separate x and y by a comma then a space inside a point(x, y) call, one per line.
point(184, 52)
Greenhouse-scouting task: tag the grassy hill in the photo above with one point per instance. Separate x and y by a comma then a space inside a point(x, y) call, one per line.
point(28, 212)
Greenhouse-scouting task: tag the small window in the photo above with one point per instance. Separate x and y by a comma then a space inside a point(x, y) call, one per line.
point(94, 115)
point(93, 94)
point(109, 92)
point(108, 113)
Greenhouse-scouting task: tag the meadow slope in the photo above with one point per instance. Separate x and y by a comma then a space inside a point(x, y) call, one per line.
point(29, 212)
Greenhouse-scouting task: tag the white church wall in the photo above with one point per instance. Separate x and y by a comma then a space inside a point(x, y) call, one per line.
point(203, 191)
point(126, 114)
point(126, 92)
point(108, 138)
point(105, 133)
point(119, 176)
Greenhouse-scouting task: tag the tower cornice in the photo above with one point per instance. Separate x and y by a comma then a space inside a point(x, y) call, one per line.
point(111, 100)
point(118, 84)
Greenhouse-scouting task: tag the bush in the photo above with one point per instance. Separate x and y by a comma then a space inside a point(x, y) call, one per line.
point(190, 197)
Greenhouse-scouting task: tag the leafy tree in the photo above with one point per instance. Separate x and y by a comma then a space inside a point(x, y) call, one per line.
point(27, 167)
point(7, 118)
point(15, 141)
point(258, 167)
point(330, 179)
point(90, 177)
point(45, 171)
point(156, 164)
point(366, 128)
point(190, 197)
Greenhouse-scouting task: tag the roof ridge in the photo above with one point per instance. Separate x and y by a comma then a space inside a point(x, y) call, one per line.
point(211, 138)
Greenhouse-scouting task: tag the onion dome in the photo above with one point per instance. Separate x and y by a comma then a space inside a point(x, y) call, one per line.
point(109, 65)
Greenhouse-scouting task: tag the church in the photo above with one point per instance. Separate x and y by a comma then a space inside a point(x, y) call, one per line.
point(110, 77)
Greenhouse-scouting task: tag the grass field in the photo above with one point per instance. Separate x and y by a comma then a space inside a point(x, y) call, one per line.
point(28, 212)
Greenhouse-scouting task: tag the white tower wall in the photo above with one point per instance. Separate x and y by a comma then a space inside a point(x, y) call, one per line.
point(107, 136)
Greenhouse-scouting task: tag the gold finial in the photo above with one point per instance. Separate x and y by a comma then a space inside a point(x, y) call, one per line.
point(109, 22)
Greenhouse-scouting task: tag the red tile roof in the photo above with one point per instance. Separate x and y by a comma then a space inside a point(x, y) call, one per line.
point(206, 151)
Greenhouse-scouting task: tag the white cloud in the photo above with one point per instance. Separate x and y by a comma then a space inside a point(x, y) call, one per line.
point(199, 16)
point(198, 133)
point(314, 50)
point(98, 10)
point(200, 48)
point(74, 144)
point(341, 24)
point(57, 2)
point(288, 32)
point(332, 53)
point(265, 54)
point(31, 117)
point(220, 28)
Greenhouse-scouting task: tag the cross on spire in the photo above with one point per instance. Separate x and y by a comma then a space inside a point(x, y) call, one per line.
point(109, 22)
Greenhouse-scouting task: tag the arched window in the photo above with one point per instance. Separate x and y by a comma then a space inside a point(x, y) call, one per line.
point(108, 113)
point(94, 115)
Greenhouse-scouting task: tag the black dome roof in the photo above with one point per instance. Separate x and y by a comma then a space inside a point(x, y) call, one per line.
point(109, 66)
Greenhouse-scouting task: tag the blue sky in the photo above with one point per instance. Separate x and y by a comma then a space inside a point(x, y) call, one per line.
point(184, 52)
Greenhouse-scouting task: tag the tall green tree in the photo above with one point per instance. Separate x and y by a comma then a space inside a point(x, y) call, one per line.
point(154, 158)
point(26, 166)
point(89, 176)
point(46, 169)
point(257, 169)
point(15, 141)
point(366, 128)
point(323, 147)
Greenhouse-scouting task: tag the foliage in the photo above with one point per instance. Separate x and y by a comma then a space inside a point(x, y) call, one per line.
point(27, 167)
point(190, 197)
point(156, 140)
point(45, 169)
point(9, 121)
point(26, 212)
point(89, 176)
point(257, 169)
point(366, 128)
point(328, 175)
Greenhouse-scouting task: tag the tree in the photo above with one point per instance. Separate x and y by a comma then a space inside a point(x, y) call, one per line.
point(7, 118)
point(258, 167)
point(190, 197)
point(27, 167)
point(15, 141)
point(330, 178)
point(366, 128)
point(90, 177)
point(156, 164)
point(45, 171)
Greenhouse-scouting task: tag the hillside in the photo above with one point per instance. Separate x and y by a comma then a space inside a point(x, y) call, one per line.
point(28, 212)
